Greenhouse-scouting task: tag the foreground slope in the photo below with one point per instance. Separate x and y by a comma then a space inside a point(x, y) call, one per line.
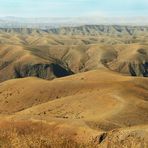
point(82, 105)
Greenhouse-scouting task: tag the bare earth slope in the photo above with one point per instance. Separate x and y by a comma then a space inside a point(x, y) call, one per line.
point(64, 51)
point(88, 104)
point(85, 84)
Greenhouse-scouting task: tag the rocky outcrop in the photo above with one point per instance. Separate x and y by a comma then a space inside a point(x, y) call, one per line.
point(140, 69)
point(45, 71)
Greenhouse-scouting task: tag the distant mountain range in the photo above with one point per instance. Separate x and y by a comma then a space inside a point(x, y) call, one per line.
point(87, 30)
point(53, 22)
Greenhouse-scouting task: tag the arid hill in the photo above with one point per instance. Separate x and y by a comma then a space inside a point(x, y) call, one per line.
point(41, 53)
point(74, 87)
point(90, 104)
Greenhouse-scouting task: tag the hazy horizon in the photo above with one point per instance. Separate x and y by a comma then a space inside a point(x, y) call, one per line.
point(127, 12)
point(72, 21)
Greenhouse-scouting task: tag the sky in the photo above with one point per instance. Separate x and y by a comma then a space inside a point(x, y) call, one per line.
point(73, 8)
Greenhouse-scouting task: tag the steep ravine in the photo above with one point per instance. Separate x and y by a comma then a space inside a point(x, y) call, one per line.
point(45, 71)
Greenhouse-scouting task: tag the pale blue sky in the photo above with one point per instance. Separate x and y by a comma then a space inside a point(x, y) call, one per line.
point(73, 8)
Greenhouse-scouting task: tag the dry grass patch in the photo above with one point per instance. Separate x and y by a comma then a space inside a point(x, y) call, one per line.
point(35, 135)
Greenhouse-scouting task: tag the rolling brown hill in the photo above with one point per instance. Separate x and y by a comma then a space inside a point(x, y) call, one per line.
point(88, 104)
point(81, 86)
point(41, 53)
